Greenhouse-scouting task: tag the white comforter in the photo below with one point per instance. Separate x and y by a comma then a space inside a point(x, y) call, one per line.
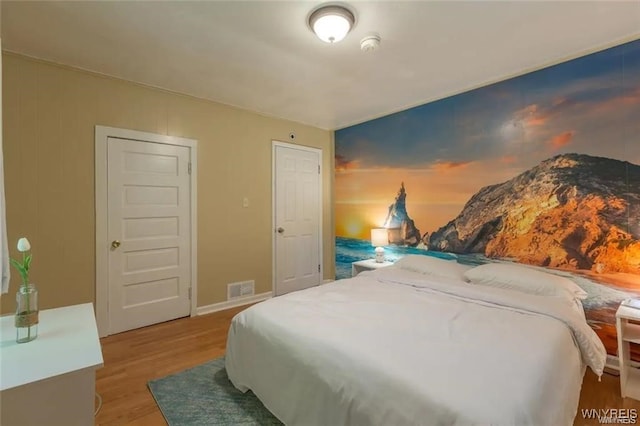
point(393, 347)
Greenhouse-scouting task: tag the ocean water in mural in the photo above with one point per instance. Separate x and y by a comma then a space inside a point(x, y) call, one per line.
point(604, 298)
point(349, 250)
point(542, 169)
point(600, 307)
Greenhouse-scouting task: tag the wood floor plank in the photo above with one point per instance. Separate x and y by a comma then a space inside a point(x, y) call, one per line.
point(133, 358)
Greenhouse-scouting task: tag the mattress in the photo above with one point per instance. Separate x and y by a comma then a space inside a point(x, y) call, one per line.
point(395, 347)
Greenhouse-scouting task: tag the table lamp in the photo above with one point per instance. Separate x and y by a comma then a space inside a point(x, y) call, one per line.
point(379, 238)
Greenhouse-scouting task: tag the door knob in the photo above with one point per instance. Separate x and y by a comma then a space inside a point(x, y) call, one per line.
point(115, 244)
point(280, 230)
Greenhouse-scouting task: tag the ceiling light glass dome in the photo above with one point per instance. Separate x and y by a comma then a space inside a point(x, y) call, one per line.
point(331, 23)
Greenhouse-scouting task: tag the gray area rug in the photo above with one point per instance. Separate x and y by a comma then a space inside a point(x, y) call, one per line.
point(203, 395)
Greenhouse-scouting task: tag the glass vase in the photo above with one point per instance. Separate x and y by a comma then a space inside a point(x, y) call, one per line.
point(26, 313)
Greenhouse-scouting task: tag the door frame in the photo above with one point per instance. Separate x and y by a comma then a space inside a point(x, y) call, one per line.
point(102, 134)
point(274, 145)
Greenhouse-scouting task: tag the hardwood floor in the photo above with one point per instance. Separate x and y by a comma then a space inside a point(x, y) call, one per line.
point(602, 395)
point(133, 358)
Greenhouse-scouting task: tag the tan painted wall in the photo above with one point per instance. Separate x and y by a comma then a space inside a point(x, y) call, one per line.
point(49, 117)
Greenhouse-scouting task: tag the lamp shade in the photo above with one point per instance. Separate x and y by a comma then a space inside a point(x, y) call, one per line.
point(379, 237)
point(331, 23)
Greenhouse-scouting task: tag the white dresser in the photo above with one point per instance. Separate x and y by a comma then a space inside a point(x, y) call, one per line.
point(50, 380)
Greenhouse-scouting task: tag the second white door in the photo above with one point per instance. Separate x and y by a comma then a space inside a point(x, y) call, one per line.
point(149, 233)
point(297, 217)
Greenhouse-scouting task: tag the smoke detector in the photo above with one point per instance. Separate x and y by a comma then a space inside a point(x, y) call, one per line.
point(370, 43)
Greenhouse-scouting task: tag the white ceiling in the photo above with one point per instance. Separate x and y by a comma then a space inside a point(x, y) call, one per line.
point(261, 55)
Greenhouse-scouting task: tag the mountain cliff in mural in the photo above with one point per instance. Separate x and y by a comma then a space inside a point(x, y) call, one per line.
point(571, 211)
point(402, 230)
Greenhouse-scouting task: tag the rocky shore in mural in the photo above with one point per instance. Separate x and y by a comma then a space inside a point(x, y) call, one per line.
point(572, 211)
point(576, 214)
point(401, 228)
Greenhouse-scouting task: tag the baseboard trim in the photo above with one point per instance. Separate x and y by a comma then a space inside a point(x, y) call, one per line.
point(221, 306)
point(613, 363)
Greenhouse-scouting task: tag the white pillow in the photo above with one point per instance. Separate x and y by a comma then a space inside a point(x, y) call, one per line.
point(524, 279)
point(432, 266)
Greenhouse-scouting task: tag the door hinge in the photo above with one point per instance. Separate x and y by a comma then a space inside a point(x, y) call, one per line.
point(318, 268)
point(189, 168)
point(318, 168)
point(189, 293)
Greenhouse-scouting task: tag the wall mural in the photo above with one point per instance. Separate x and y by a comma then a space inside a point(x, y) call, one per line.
point(542, 169)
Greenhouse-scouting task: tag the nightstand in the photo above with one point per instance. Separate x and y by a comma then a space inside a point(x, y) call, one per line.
point(60, 373)
point(628, 333)
point(367, 265)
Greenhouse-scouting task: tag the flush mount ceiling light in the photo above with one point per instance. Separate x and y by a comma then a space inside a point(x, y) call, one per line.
point(331, 23)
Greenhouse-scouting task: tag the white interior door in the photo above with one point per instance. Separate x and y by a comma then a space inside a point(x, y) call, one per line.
point(297, 218)
point(149, 221)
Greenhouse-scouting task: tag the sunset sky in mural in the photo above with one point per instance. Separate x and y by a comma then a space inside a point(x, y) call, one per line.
point(589, 105)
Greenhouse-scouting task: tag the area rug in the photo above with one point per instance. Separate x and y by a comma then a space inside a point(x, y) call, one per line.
point(203, 395)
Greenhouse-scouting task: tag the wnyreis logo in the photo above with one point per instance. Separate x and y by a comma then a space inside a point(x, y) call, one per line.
point(628, 416)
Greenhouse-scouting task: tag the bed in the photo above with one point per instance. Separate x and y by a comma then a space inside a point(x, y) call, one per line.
point(398, 346)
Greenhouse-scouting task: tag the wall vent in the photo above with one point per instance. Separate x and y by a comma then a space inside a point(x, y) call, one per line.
point(240, 289)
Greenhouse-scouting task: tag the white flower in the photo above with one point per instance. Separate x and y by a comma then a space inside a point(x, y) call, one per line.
point(23, 245)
